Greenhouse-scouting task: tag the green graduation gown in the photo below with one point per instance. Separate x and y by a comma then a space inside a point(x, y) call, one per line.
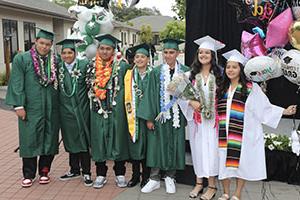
point(166, 144)
point(109, 135)
point(38, 134)
point(137, 150)
point(74, 110)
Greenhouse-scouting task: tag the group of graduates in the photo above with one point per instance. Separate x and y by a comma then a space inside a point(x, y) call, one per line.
point(108, 109)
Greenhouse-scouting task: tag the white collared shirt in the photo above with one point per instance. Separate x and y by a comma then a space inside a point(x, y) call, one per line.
point(70, 66)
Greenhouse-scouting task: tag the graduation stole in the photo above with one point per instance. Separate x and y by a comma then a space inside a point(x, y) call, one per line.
point(233, 142)
point(132, 95)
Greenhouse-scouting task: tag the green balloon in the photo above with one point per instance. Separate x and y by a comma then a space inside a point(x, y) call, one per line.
point(81, 47)
point(92, 28)
point(88, 39)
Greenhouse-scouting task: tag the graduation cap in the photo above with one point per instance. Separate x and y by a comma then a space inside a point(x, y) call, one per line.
point(170, 43)
point(45, 34)
point(107, 39)
point(68, 43)
point(141, 48)
point(236, 56)
point(210, 43)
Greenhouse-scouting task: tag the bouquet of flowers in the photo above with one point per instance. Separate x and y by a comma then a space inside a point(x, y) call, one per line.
point(181, 87)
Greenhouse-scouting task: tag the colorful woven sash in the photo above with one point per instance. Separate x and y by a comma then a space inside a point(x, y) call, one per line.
point(232, 141)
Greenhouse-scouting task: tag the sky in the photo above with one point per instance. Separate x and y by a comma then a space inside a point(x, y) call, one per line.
point(164, 6)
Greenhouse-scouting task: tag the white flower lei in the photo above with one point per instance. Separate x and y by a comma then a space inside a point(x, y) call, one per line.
point(166, 96)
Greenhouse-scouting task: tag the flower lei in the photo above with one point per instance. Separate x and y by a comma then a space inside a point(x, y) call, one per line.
point(208, 107)
point(110, 85)
point(165, 101)
point(103, 75)
point(75, 74)
point(45, 77)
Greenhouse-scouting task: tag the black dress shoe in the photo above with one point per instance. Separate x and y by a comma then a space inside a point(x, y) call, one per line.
point(144, 182)
point(133, 181)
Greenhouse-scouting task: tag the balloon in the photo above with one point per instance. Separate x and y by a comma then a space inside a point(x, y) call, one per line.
point(91, 51)
point(81, 47)
point(296, 12)
point(76, 9)
point(246, 37)
point(290, 65)
point(105, 22)
point(88, 39)
point(259, 31)
point(85, 16)
point(243, 11)
point(294, 34)
point(277, 54)
point(278, 28)
point(257, 46)
point(261, 68)
point(252, 45)
point(92, 28)
point(79, 26)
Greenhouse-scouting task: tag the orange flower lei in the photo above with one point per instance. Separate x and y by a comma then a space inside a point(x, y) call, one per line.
point(102, 76)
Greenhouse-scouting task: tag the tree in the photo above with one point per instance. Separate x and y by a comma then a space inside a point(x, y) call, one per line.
point(145, 35)
point(179, 8)
point(125, 14)
point(65, 3)
point(174, 29)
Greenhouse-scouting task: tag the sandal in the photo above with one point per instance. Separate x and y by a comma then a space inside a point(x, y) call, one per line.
point(234, 198)
point(209, 195)
point(194, 193)
point(224, 197)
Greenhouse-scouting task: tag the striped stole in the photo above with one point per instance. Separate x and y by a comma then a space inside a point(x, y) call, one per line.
point(232, 141)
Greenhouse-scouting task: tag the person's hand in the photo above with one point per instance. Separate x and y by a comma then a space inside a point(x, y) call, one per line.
point(196, 105)
point(21, 113)
point(150, 125)
point(291, 110)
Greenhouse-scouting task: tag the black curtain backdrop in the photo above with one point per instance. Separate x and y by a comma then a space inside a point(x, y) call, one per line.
point(218, 19)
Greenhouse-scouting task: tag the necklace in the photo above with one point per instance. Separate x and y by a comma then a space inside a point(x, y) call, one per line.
point(75, 74)
point(48, 76)
point(207, 106)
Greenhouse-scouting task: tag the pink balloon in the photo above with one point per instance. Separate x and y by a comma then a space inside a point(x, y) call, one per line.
point(257, 46)
point(245, 49)
point(278, 28)
point(252, 45)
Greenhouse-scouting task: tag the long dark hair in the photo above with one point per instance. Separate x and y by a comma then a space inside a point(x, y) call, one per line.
point(215, 69)
point(226, 83)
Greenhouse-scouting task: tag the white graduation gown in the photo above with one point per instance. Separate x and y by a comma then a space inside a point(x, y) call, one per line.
point(203, 141)
point(258, 111)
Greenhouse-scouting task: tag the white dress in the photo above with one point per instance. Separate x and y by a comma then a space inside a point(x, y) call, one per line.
point(203, 140)
point(258, 111)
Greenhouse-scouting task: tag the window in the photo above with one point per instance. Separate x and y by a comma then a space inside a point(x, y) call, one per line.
point(29, 35)
point(155, 40)
point(133, 39)
point(10, 39)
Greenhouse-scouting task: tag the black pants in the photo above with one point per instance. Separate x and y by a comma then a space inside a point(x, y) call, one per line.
point(136, 172)
point(119, 168)
point(30, 166)
point(80, 160)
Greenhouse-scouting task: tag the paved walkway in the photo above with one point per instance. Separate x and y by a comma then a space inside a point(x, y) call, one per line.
point(10, 177)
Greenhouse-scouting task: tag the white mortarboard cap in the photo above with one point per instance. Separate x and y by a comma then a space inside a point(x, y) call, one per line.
point(210, 43)
point(236, 56)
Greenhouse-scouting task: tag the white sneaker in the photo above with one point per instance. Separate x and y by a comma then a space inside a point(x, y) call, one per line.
point(151, 186)
point(170, 185)
point(99, 182)
point(121, 182)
